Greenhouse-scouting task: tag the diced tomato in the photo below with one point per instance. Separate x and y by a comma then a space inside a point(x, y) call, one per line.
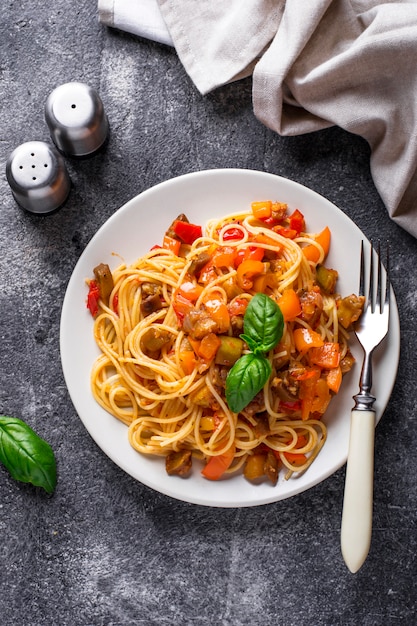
point(238, 306)
point(93, 297)
point(187, 232)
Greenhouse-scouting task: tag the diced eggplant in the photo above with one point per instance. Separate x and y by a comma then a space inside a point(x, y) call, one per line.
point(326, 278)
point(151, 304)
point(178, 463)
point(198, 263)
point(104, 280)
point(154, 339)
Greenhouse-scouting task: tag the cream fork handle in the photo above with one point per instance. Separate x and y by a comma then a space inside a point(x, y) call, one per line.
point(356, 528)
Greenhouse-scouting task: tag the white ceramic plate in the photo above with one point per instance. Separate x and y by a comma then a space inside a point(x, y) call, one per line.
point(129, 233)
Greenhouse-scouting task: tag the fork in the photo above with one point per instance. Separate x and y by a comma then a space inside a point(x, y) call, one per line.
point(356, 529)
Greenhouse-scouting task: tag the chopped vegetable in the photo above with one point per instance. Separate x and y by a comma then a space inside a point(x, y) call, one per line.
point(187, 232)
point(261, 210)
point(93, 298)
point(104, 280)
point(290, 304)
point(350, 309)
point(326, 278)
point(178, 463)
point(229, 351)
point(217, 465)
point(169, 243)
point(311, 252)
point(305, 338)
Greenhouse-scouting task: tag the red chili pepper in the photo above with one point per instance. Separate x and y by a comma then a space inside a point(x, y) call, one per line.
point(93, 298)
point(187, 232)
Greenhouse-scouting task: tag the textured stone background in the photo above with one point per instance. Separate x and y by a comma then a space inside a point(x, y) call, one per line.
point(105, 550)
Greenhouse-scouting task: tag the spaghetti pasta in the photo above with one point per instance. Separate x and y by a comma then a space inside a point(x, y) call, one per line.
point(171, 330)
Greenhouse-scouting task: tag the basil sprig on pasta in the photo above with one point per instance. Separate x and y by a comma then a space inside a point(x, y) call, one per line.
point(263, 325)
point(28, 457)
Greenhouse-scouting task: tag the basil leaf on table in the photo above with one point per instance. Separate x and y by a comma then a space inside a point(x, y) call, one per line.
point(28, 457)
point(246, 378)
point(263, 324)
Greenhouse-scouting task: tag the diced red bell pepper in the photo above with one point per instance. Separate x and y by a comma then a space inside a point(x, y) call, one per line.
point(93, 298)
point(297, 221)
point(187, 232)
point(232, 234)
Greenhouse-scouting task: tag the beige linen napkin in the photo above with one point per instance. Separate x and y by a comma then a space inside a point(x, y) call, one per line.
point(317, 63)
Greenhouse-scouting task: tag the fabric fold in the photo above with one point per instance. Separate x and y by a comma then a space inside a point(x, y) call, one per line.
point(349, 63)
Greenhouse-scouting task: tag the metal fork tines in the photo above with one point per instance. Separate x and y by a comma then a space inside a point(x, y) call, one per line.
point(373, 324)
point(358, 497)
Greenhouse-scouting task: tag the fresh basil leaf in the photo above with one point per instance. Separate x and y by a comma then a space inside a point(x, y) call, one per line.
point(28, 457)
point(263, 323)
point(246, 378)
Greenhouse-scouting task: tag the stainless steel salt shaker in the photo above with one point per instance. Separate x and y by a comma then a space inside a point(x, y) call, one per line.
point(38, 177)
point(76, 119)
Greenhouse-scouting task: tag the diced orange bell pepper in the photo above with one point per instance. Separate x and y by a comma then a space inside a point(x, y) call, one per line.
point(311, 252)
point(169, 243)
point(295, 458)
point(188, 361)
point(326, 356)
point(218, 311)
point(262, 209)
point(251, 253)
point(190, 290)
point(290, 304)
point(217, 465)
point(208, 347)
point(321, 397)
point(260, 283)
point(308, 392)
point(181, 306)
point(246, 271)
point(224, 256)
point(305, 338)
point(334, 379)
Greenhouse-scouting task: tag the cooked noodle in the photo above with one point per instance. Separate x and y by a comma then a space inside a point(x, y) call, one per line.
point(153, 394)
